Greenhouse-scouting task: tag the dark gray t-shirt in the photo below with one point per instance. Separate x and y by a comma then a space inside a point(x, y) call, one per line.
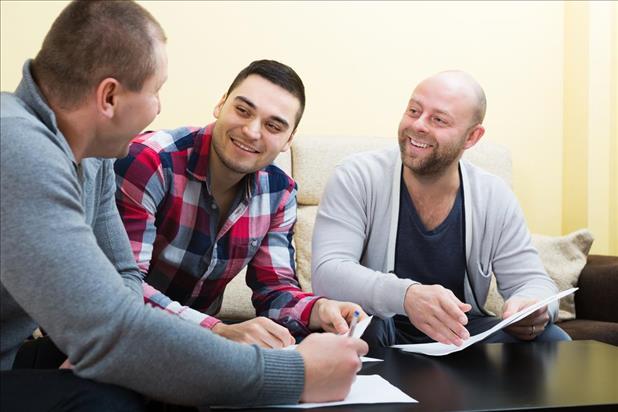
point(430, 256)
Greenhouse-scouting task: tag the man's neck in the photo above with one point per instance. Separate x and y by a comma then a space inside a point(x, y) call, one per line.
point(222, 179)
point(75, 125)
point(435, 185)
point(224, 185)
point(433, 196)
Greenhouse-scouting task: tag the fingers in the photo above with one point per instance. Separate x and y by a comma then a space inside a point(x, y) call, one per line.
point(527, 331)
point(261, 331)
point(272, 334)
point(438, 313)
point(443, 328)
point(331, 364)
point(333, 321)
point(360, 345)
point(531, 326)
point(334, 316)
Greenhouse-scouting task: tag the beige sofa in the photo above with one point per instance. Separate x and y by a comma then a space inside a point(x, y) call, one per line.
point(311, 161)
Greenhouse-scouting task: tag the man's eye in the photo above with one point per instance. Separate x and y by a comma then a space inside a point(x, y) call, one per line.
point(242, 111)
point(439, 120)
point(273, 127)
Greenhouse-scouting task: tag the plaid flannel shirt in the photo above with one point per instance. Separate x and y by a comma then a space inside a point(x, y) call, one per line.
point(166, 205)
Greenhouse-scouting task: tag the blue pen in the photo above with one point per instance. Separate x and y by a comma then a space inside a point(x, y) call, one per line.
point(354, 322)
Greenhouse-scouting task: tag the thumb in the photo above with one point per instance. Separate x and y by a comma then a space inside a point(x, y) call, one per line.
point(340, 325)
point(510, 307)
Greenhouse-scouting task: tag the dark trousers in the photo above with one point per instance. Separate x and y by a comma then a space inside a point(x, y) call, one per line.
point(36, 384)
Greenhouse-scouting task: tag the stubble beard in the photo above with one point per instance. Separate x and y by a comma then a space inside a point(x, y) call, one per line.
point(440, 158)
point(228, 162)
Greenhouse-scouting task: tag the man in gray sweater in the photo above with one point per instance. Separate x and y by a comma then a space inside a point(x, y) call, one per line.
point(66, 261)
point(413, 235)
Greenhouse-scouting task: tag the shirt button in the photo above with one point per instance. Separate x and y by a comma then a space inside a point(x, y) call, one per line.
point(254, 243)
point(213, 206)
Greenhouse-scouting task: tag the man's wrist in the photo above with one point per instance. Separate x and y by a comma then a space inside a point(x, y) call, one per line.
point(315, 322)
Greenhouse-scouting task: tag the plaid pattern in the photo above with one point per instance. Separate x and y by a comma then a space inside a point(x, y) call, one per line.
point(166, 205)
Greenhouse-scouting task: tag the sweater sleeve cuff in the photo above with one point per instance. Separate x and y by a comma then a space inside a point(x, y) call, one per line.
point(396, 288)
point(284, 377)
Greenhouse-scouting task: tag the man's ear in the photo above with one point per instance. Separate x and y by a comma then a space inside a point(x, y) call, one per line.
point(287, 144)
point(217, 111)
point(474, 135)
point(107, 96)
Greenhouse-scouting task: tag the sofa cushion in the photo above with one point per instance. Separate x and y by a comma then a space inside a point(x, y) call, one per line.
point(564, 258)
point(597, 297)
point(302, 238)
point(314, 158)
point(236, 303)
point(580, 329)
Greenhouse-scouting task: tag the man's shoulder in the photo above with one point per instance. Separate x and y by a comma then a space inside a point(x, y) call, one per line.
point(480, 177)
point(487, 189)
point(168, 141)
point(24, 136)
point(12, 106)
point(14, 110)
point(273, 179)
point(154, 149)
point(374, 164)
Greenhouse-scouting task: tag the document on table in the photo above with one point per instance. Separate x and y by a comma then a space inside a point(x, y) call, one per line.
point(365, 389)
point(440, 349)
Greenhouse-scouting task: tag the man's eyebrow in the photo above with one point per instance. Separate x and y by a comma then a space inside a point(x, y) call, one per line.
point(283, 122)
point(442, 112)
point(253, 106)
point(246, 101)
point(437, 111)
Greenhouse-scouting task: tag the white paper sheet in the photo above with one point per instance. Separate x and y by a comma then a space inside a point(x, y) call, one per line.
point(368, 359)
point(361, 326)
point(365, 389)
point(440, 349)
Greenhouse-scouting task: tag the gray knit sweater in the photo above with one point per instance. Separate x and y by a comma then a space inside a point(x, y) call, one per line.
point(67, 266)
point(354, 238)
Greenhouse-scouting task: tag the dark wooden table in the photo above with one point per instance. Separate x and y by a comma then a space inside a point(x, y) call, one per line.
point(516, 376)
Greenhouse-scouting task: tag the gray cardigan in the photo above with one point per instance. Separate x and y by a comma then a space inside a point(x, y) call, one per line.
point(353, 248)
point(67, 266)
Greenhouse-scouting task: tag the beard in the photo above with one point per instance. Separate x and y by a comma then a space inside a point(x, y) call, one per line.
point(435, 162)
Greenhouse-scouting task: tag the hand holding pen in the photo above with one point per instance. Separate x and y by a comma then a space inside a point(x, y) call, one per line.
point(355, 317)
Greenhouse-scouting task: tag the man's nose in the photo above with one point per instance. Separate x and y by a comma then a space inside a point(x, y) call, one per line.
point(420, 124)
point(252, 129)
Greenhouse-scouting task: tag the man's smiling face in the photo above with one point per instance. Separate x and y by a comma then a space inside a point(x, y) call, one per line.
point(434, 129)
point(254, 124)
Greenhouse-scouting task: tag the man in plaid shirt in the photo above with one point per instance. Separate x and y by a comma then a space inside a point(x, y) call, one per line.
point(201, 204)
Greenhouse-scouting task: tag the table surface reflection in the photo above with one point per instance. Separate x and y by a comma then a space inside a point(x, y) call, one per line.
point(514, 376)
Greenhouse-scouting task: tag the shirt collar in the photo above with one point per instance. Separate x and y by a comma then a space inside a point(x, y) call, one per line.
point(28, 91)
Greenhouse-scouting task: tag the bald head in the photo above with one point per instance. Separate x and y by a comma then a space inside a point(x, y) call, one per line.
point(456, 84)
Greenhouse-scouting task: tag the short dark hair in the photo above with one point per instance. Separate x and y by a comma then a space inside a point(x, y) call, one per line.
point(276, 73)
point(91, 40)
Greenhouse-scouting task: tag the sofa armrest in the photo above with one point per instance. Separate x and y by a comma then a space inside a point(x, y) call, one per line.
point(597, 297)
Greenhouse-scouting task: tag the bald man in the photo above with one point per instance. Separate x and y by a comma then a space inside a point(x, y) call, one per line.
point(413, 235)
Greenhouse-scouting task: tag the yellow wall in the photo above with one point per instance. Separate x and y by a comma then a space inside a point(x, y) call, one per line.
point(551, 96)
